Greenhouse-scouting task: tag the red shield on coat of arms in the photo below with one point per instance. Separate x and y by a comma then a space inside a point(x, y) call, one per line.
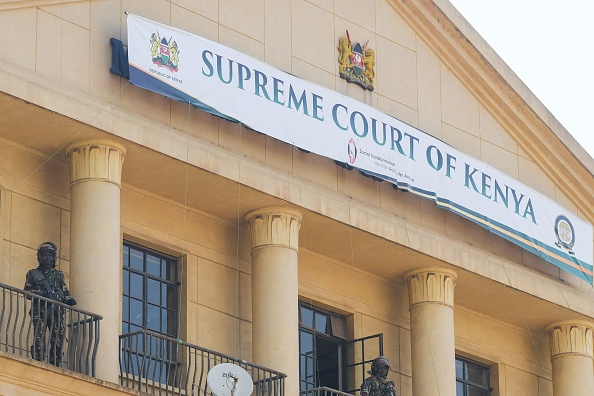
point(357, 59)
point(164, 51)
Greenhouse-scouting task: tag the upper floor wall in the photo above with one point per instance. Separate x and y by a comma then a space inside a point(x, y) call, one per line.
point(418, 80)
point(425, 77)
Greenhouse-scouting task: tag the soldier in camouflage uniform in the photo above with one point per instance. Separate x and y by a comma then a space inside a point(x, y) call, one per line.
point(378, 384)
point(46, 281)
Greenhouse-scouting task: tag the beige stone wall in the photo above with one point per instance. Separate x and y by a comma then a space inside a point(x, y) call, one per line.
point(216, 280)
point(34, 209)
point(370, 304)
point(520, 360)
point(67, 42)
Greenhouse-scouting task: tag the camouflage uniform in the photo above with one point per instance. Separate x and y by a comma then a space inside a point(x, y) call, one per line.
point(46, 281)
point(377, 384)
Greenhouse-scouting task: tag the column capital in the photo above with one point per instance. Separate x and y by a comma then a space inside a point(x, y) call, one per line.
point(431, 284)
point(96, 159)
point(276, 226)
point(570, 337)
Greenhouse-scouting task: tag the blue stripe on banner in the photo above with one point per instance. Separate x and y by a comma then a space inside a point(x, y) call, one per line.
point(565, 261)
point(144, 80)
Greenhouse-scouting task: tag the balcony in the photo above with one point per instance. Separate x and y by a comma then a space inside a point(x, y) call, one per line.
point(149, 362)
point(66, 337)
point(156, 364)
point(323, 391)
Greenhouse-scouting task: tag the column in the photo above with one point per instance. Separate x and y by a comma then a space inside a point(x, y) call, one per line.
point(275, 320)
point(95, 242)
point(431, 300)
point(570, 343)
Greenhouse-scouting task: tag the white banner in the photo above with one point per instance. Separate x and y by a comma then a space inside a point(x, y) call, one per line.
point(228, 83)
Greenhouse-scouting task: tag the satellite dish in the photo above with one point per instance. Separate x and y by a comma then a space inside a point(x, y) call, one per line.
point(227, 379)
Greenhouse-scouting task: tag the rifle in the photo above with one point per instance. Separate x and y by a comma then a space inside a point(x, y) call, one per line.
point(51, 294)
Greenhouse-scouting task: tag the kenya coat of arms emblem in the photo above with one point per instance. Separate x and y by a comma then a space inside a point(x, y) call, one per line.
point(164, 53)
point(356, 62)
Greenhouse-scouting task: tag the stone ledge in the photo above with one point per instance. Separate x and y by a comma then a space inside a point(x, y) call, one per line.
point(20, 375)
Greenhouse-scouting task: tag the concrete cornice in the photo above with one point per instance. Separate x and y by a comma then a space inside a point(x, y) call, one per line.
point(515, 83)
point(470, 58)
point(12, 5)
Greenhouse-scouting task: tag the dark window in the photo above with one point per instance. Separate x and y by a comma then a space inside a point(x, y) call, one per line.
point(149, 302)
point(320, 347)
point(326, 358)
point(472, 379)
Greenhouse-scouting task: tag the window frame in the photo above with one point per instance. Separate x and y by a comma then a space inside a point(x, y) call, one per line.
point(466, 383)
point(168, 327)
point(329, 333)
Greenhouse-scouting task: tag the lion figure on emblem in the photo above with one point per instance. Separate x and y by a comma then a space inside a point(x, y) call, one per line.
point(368, 63)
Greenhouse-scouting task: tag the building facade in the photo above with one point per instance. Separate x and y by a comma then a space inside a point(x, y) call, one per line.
point(170, 220)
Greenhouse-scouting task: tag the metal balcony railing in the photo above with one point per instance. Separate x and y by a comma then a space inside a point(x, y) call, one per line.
point(48, 331)
point(161, 365)
point(323, 391)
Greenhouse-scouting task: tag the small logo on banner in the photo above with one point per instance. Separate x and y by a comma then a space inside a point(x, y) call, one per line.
point(164, 53)
point(565, 233)
point(356, 62)
point(352, 148)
